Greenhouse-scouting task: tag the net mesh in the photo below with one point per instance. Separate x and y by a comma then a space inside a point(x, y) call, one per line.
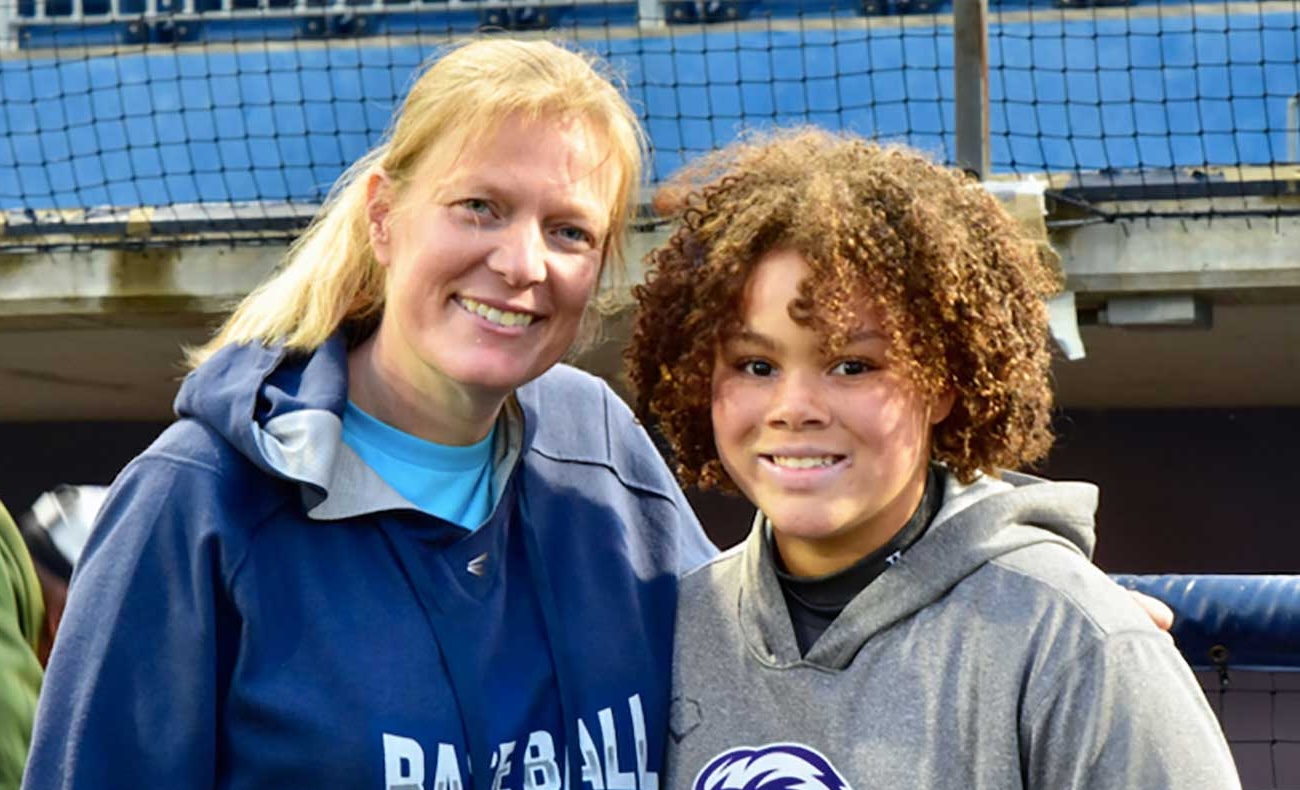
point(235, 116)
point(1260, 714)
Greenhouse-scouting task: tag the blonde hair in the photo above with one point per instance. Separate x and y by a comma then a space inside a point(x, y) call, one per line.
point(330, 278)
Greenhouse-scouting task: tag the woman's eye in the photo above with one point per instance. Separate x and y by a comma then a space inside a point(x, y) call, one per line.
point(852, 367)
point(756, 367)
point(576, 235)
point(477, 206)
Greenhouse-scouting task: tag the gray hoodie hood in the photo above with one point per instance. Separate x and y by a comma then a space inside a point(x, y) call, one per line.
point(975, 524)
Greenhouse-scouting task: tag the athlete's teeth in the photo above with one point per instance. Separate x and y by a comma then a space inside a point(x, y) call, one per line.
point(803, 462)
point(500, 317)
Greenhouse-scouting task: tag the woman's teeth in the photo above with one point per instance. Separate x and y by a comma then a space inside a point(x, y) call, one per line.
point(498, 317)
point(803, 462)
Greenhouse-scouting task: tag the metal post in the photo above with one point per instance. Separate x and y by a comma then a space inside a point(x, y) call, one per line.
point(8, 30)
point(970, 67)
point(1293, 129)
point(1293, 139)
point(650, 13)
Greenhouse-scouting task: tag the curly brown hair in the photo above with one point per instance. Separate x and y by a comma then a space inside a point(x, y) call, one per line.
point(960, 287)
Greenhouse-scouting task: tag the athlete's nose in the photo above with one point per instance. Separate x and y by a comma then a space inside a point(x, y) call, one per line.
point(798, 402)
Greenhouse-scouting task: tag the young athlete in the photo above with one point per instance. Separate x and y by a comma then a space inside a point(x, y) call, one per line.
point(856, 339)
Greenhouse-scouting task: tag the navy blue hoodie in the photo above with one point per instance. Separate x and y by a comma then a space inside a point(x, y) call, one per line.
point(257, 609)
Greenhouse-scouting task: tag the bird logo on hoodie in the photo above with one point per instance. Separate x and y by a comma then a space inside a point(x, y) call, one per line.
point(777, 766)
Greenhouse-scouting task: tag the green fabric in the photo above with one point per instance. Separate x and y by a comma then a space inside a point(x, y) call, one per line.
point(22, 613)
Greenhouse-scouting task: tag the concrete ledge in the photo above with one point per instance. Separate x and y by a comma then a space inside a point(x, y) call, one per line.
point(127, 287)
point(1174, 255)
point(120, 283)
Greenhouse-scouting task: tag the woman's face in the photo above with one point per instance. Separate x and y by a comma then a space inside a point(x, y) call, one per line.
point(491, 266)
point(833, 449)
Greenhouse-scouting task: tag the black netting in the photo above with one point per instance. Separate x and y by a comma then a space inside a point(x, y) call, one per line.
point(231, 118)
point(1260, 714)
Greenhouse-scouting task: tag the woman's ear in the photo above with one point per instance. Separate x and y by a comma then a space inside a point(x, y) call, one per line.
point(379, 207)
point(941, 405)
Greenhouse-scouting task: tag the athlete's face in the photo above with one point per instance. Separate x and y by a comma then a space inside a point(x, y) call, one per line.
point(833, 449)
point(491, 266)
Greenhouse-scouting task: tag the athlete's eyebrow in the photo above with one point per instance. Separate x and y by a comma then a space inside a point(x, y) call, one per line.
point(864, 335)
point(753, 338)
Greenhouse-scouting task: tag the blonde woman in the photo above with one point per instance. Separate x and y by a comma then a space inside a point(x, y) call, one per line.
point(390, 542)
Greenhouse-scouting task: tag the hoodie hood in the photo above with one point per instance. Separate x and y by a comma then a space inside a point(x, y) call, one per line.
point(267, 403)
point(284, 412)
point(281, 411)
point(975, 525)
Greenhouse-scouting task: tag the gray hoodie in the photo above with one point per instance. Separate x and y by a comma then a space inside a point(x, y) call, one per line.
point(993, 654)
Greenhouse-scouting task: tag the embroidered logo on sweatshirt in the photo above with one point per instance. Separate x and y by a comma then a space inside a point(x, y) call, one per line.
point(777, 766)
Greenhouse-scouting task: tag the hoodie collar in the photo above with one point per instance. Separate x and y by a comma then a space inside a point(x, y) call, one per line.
point(976, 524)
point(284, 412)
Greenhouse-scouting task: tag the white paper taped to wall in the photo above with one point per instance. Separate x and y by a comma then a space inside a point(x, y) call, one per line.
point(1063, 319)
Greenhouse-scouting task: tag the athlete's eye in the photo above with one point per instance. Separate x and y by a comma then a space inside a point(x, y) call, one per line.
point(756, 367)
point(852, 367)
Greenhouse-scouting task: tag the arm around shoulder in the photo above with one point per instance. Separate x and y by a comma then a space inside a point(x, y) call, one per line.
point(1127, 713)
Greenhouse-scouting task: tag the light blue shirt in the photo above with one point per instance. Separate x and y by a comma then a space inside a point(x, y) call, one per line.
point(452, 483)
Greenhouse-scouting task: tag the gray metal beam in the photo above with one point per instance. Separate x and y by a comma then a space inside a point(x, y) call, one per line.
point(970, 32)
